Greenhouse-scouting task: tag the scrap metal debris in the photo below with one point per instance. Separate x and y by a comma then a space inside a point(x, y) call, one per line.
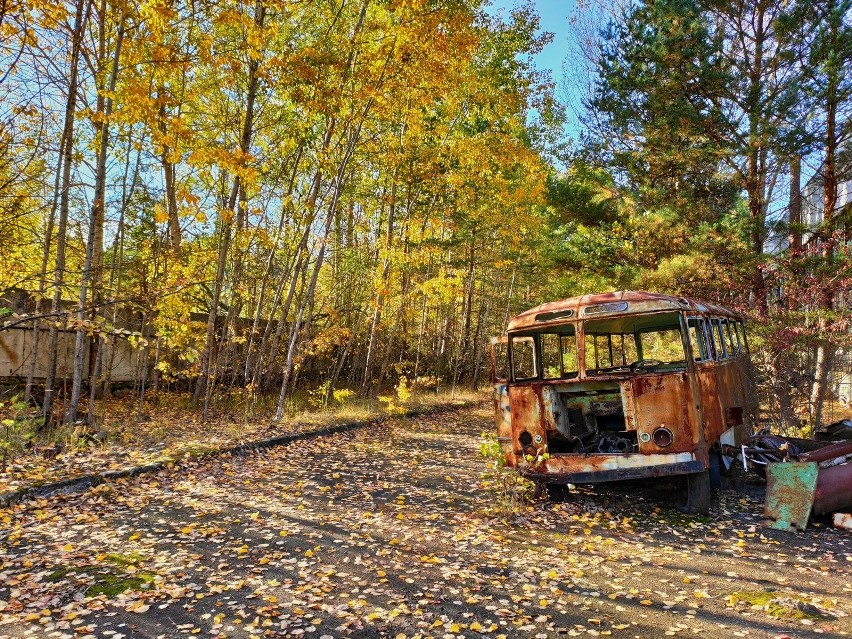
point(817, 480)
point(763, 449)
point(838, 430)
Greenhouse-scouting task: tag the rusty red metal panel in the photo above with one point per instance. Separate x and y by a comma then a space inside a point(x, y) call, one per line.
point(735, 398)
point(525, 407)
point(711, 408)
point(628, 404)
point(825, 453)
point(640, 301)
point(503, 420)
point(834, 489)
point(662, 401)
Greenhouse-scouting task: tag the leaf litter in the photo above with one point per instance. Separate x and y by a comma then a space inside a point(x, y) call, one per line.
point(172, 432)
point(389, 531)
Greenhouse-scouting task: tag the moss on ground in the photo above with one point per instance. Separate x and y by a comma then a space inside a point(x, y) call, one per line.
point(59, 574)
point(111, 584)
point(124, 560)
point(111, 578)
point(778, 605)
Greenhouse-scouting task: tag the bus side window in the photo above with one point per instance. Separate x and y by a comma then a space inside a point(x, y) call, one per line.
point(735, 337)
point(718, 342)
point(742, 335)
point(523, 358)
point(723, 345)
point(501, 361)
point(698, 340)
point(730, 340)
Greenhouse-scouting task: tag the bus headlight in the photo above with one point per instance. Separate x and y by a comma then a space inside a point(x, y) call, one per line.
point(662, 437)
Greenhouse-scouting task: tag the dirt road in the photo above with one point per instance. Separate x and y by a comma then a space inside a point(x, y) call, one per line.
point(388, 531)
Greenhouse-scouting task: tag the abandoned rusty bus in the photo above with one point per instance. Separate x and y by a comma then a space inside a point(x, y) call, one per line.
point(623, 385)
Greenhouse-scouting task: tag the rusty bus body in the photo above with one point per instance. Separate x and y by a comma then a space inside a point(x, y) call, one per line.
point(622, 385)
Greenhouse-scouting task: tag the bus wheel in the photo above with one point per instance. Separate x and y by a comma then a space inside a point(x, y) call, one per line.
point(557, 493)
point(699, 493)
point(716, 467)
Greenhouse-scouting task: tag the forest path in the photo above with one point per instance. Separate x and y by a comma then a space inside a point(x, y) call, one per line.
point(387, 531)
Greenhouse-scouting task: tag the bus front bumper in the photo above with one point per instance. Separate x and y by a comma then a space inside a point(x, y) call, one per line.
point(598, 468)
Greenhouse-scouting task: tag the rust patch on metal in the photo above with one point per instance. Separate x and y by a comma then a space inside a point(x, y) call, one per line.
point(524, 404)
point(834, 489)
point(647, 384)
point(661, 401)
point(790, 494)
point(638, 301)
point(600, 467)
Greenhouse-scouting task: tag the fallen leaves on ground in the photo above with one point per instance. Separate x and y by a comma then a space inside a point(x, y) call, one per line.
point(172, 431)
point(361, 534)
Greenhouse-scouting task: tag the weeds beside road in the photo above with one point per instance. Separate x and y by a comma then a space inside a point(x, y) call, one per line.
point(390, 531)
point(172, 431)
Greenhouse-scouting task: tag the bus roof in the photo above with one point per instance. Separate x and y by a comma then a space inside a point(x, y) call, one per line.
point(611, 304)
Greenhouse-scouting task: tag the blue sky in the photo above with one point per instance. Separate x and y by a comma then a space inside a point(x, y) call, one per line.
point(555, 15)
point(554, 18)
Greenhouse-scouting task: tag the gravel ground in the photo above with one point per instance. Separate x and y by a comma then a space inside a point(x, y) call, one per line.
point(397, 530)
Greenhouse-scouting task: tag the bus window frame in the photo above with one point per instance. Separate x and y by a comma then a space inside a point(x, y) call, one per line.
point(721, 338)
point(732, 339)
point(542, 365)
point(705, 347)
point(743, 337)
point(718, 339)
point(536, 358)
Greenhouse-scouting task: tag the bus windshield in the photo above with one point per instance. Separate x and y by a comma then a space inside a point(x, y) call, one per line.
point(632, 343)
point(625, 344)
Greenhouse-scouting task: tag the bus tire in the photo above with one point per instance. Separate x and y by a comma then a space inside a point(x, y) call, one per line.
point(715, 468)
point(699, 493)
point(557, 493)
